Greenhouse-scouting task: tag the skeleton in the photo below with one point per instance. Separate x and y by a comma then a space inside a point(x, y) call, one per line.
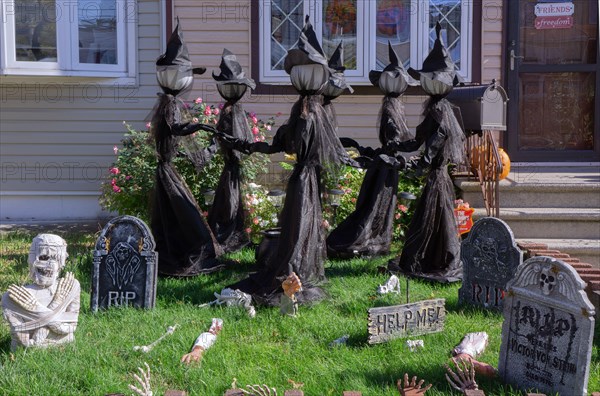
point(233, 298)
point(259, 390)
point(149, 347)
point(43, 313)
point(203, 342)
point(391, 286)
point(464, 378)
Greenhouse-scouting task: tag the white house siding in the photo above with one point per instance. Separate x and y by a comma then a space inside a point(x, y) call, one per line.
point(57, 137)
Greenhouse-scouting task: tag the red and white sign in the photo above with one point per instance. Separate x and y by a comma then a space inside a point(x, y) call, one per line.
point(554, 22)
point(554, 9)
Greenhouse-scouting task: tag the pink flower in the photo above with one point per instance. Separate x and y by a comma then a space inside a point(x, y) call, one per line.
point(221, 105)
point(114, 170)
point(397, 216)
point(255, 130)
point(402, 208)
point(325, 224)
point(248, 230)
point(128, 177)
point(187, 106)
point(255, 220)
point(353, 200)
point(268, 127)
point(198, 100)
point(252, 115)
point(216, 111)
point(115, 149)
point(254, 120)
point(113, 182)
point(148, 125)
point(215, 121)
point(207, 111)
point(205, 213)
point(116, 188)
point(195, 120)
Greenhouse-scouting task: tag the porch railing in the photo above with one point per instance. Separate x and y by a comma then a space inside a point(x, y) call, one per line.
point(484, 164)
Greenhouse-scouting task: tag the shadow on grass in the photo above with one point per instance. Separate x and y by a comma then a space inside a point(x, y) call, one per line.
point(5, 345)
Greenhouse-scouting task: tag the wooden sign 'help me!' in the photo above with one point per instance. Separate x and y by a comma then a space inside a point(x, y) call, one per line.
point(422, 317)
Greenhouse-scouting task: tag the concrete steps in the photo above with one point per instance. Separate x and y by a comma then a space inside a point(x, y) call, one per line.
point(556, 205)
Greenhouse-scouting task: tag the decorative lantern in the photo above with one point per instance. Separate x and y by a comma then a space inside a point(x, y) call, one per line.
point(231, 92)
point(335, 200)
point(209, 197)
point(276, 197)
point(174, 78)
point(392, 85)
point(309, 78)
point(435, 87)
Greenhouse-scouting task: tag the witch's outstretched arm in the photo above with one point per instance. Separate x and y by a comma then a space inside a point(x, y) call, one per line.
point(249, 147)
point(435, 143)
point(363, 151)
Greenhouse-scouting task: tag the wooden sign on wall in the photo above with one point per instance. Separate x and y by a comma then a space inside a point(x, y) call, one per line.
point(422, 317)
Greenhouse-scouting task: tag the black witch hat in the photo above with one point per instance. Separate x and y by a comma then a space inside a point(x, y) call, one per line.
point(231, 71)
point(438, 65)
point(309, 50)
point(336, 64)
point(177, 54)
point(395, 67)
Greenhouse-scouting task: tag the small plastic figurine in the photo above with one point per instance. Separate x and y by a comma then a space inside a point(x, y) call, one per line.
point(203, 342)
point(289, 304)
point(46, 312)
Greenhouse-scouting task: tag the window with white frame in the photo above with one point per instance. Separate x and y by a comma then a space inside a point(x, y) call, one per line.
point(365, 27)
point(89, 38)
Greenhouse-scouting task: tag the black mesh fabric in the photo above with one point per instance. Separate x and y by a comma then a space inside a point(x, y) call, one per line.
point(184, 241)
point(432, 246)
point(226, 216)
point(310, 135)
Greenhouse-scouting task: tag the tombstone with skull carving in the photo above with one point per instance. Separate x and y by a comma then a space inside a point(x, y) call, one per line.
point(45, 312)
point(548, 329)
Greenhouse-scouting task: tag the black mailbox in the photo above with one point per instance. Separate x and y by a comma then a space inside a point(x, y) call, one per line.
point(483, 107)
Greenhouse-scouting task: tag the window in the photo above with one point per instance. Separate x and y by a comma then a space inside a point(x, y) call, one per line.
point(365, 27)
point(89, 38)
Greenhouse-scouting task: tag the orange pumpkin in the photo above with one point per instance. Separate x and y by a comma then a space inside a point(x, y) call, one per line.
point(478, 157)
point(505, 159)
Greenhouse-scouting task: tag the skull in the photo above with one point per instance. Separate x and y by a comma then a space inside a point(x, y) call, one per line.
point(547, 281)
point(47, 256)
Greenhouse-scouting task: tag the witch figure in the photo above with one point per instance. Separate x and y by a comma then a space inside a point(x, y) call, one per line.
point(310, 135)
point(226, 216)
point(432, 246)
point(368, 230)
point(184, 241)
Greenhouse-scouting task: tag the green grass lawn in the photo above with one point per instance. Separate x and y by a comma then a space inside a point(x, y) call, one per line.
point(269, 349)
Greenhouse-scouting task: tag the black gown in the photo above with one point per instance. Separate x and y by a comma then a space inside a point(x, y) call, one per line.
point(432, 246)
point(226, 217)
point(184, 241)
point(369, 229)
point(310, 135)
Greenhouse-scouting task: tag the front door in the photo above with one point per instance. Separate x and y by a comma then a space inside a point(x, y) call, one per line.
point(553, 80)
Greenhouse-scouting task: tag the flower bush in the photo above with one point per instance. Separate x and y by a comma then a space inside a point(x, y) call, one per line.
point(130, 180)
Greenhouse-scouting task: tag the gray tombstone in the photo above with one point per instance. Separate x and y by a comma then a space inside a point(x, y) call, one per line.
point(490, 258)
point(125, 263)
point(548, 329)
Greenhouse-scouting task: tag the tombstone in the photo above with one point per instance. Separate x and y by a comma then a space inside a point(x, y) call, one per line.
point(548, 329)
point(125, 263)
point(490, 258)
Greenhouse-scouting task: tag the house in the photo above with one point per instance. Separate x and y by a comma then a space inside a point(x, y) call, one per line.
point(63, 100)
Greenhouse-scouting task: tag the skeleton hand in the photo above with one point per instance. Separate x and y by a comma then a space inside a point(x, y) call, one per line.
point(413, 388)
point(464, 378)
point(24, 298)
point(144, 382)
point(291, 285)
point(64, 288)
point(259, 390)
